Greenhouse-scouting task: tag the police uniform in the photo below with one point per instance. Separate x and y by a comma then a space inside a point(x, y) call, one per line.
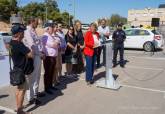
point(118, 37)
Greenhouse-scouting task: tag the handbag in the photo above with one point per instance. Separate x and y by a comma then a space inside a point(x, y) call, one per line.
point(17, 76)
point(74, 58)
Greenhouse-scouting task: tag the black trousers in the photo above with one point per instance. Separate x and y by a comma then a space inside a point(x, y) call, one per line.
point(100, 49)
point(98, 54)
point(104, 55)
point(49, 65)
point(120, 48)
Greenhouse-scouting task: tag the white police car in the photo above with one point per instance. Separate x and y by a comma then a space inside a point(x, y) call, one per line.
point(140, 38)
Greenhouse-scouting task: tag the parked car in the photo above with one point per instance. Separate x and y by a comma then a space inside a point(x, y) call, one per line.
point(85, 26)
point(6, 36)
point(4, 33)
point(140, 38)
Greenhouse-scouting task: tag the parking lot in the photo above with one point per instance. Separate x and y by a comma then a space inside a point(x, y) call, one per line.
point(142, 91)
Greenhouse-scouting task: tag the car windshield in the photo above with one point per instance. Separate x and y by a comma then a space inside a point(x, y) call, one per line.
point(155, 32)
point(5, 34)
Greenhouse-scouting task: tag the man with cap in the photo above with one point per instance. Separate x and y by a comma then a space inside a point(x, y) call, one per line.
point(50, 48)
point(118, 38)
point(32, 41)
point(19, 53)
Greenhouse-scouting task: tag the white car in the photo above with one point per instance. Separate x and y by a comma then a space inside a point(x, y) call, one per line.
point(85, 26)
point(140, 38)
point(6, 36)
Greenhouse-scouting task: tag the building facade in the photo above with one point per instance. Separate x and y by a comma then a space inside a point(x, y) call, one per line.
point(144, 16)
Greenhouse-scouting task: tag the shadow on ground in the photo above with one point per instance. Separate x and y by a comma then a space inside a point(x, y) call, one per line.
point(63, 85)
point(2, 112)
point(3, 96)
point(103, 75)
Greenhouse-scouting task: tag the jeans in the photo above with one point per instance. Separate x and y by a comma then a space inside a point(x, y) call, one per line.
point(90, 64)
point(34, 79)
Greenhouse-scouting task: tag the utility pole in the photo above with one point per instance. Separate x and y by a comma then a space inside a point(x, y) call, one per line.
point(69, 13)
point(74, 8)
point(46, 18)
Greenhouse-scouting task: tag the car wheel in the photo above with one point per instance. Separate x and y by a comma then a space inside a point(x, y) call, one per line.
point(148, 46)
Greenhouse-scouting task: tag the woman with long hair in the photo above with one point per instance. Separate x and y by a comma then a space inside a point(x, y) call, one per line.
point(71, 49)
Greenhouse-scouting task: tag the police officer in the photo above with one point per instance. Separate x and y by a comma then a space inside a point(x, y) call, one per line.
point(118, 38)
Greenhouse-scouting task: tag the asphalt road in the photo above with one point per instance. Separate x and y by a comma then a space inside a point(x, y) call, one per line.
point(142, 91)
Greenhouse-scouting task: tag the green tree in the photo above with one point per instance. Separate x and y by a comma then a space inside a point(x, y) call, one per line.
point(40, 9)
point(33, 9)
point(7, 7)
point(52, 5)
point(116, 19)
point(67, 18)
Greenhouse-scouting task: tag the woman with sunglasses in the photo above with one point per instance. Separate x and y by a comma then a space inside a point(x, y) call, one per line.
point(71, 49)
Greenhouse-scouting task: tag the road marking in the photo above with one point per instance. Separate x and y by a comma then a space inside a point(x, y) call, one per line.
point(149, 58)
point(146, 68)
point(141, 88)
point(7, 109)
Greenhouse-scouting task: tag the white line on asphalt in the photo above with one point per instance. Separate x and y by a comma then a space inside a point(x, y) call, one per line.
point(7, 109)
point(146, 68)
point(141, 88)
point(149, 58)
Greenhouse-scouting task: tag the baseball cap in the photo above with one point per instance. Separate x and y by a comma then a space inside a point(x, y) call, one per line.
point(17, 28)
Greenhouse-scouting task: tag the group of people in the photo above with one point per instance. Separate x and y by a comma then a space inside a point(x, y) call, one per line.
point(55, 48)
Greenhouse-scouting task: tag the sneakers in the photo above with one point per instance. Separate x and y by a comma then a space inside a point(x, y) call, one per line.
point(89, 83)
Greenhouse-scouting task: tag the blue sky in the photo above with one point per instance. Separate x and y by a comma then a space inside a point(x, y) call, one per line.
point(90, 10)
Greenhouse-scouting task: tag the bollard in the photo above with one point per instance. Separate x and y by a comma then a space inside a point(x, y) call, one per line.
point(108, 82)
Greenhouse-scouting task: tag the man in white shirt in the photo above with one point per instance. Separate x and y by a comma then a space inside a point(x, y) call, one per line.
point(104, 33)
point(32, 41)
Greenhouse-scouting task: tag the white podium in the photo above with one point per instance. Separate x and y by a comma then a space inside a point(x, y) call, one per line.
point(108, 82)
